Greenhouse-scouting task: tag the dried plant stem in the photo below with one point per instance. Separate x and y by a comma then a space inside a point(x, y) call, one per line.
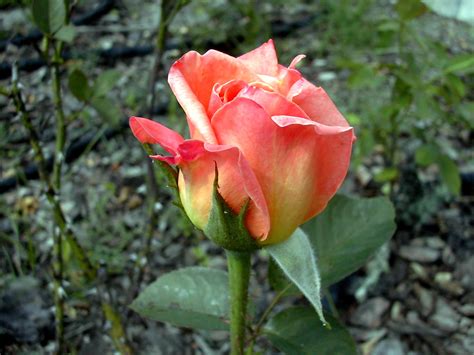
point(58, 269)
point(60, 117)
point(64, 229)
point(58, 290)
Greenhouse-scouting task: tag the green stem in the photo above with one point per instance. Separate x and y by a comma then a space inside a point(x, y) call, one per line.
point(239, 275)
point(60, 117)
point(58, 290)
point(266, 313)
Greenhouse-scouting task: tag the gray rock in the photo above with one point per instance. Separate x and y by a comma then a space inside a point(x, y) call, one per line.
point(390, 346)
point(435, 242)
point(24, 316)
point(426, 299)
point(464, 273)
point(468, 344)
point(467, 309)
point(369, 314)
point(445, 317)
point(419, 253)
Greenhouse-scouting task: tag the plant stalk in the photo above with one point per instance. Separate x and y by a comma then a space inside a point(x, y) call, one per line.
point(117, 332)
point(60, 117)
point(239, 275)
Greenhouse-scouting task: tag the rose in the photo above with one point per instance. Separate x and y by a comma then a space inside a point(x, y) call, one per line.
point(277, 140)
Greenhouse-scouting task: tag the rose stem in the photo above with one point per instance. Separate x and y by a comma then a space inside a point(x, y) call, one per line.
point(239, 275)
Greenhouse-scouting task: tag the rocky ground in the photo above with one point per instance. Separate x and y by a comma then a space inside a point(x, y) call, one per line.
point(416, 296)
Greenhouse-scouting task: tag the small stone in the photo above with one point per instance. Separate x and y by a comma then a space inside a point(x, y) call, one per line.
point(419, 271)
point(443, 277)
point(413, 318)
point(327, 76)
point(391, 346)
point(467, 309)
point(173, 251)
point(419, 254)
point(426, 299)
point(464, 273)
point(448, 256)
point(369, 314)
point(468, 344)
point(465, 323)
point(367, 335)
point(435, 242)
point(445, 317)
point(134, 202)
point(446, 282)
point(123, 194)
point(396, 311)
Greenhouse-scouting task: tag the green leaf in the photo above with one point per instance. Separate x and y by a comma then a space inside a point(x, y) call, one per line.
point(426, 155)
point(49, 15)
point(410, 9)
point(348, 232)
point(461, 64)
point(297, 331)
point(430, 154)
point(66, 33)
point(387, 174)
point(296, 258)
point(79, 86)
point(461, 10)
point(363, 76)
point(279, 282)
point(466, 110)
point(107, 109)
point(194, 297)
point(105, 82)
point(456, 85)
point(450, 174)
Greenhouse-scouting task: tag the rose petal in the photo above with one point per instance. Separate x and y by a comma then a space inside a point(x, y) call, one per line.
point(296, 60)
point(151, 132)
point(224, 93)
point(192, 78)
point(272, 102)
point(316, 103)
point(262, 60)
point(299, 163)
point(237, 183)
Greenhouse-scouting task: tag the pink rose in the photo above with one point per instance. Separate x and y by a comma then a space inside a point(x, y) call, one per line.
point(275, 137)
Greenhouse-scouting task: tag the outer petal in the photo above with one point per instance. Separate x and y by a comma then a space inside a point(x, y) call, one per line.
point(316, 103)
point(151, 132)
point(237, 183)
point(262, 60)
point(299, 163)
point(192, 78)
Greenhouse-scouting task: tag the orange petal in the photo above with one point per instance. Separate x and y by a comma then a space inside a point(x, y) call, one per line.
point(299, 163)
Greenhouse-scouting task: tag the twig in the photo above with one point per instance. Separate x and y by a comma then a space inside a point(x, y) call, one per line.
point(264, 317)
point(58, 269)
point(89, 270)
point(60, 117)
point(332, 305)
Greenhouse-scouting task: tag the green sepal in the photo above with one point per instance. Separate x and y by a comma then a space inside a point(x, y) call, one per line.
point(225, 227)
point(170, 173)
